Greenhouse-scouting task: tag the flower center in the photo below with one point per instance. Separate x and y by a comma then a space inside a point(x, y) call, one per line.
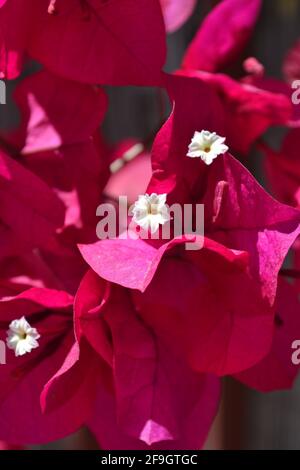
point(207, 146)
point(151, 211)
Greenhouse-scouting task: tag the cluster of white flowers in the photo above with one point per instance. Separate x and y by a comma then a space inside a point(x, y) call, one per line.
point(151, 211)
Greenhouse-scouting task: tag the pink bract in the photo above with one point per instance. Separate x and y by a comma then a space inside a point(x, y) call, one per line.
point(176, 12)
point(30, 212)
point(223, 35)
point(234, 230)
point(73, 33)
point(23, 378)
point(277, 371)
point(56, 142)
point(140, 394)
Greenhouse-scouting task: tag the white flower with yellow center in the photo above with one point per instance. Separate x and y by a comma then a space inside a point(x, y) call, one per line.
point(151, 211)
point(207, 146)
point(21, 337)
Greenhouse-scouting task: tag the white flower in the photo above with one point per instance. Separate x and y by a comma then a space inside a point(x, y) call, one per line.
point(21, 337)
point(207, 145)
point(151, 211)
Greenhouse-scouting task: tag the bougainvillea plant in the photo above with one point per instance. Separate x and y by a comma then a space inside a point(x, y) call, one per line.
point(131, 335)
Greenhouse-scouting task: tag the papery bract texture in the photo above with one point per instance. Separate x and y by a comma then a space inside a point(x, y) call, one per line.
point(55, 139)
point(234, 231)
point(176, 12)
point(22, 378)
point(142, 399)
point(30, 212)
point(74, 33)
point(277, 370)
point(223, 35)
point(245, 111)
